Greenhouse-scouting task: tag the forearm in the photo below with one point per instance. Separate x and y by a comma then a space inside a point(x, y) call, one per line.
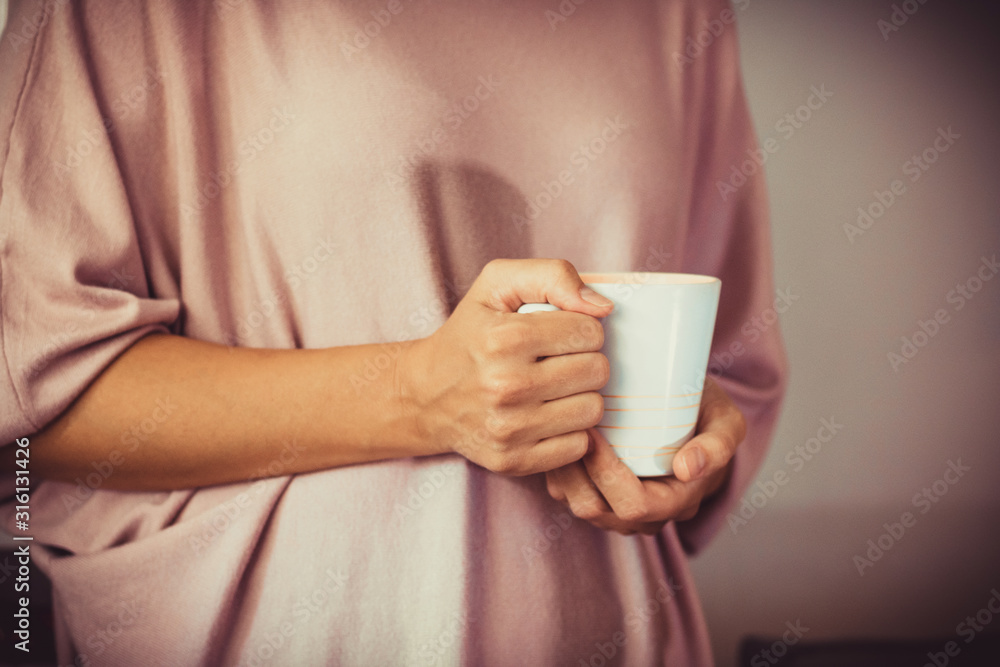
point(173, 412)
point(511, 393)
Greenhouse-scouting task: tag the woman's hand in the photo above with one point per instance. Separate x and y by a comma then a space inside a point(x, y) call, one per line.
point(514, 393)
point(602, 490)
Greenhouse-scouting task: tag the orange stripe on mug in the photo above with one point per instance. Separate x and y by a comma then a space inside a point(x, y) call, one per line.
point(633, 458)
point(697, 393)
point(664, 449)
point(681, 407)
point(646, 428)
point(641, 396)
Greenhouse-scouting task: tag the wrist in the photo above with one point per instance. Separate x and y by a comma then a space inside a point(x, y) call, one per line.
point(410, 372)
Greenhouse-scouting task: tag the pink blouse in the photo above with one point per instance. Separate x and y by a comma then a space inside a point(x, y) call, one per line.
point(303, 175)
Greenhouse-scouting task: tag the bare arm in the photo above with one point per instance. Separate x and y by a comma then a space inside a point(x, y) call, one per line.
point(514, 394)
point(172, 412)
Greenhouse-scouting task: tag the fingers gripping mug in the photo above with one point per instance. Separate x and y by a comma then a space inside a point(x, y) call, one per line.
point(657, 340)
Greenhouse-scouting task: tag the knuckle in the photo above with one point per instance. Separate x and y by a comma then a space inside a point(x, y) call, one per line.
point(507, 338)
point(495, 341)
point(493, 267)
point(603, 369)
point(503, 430)
point(492, 343)
point(594, 331)
point(607, 476)
point(517, 334)
point(579, 444)
point(588, 334)
point(520, 470)
point(588, 510)
point(504, 463)
point(504, 390)
point(505, 433)
point(634, 511)
point(712, 443)
point(496, 388)
point(593, 409)
point(562, 268)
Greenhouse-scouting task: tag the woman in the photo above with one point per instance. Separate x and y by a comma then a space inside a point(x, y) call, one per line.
point(284, 408)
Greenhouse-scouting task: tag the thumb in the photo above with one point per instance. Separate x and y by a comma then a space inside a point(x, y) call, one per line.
point(506, 284)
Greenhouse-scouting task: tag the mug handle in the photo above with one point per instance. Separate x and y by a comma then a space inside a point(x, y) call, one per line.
point(537, 307)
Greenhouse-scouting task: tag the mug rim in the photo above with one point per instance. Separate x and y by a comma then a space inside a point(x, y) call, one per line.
point(646, 278)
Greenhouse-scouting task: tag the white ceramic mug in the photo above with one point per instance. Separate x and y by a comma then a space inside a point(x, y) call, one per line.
point(657, 339)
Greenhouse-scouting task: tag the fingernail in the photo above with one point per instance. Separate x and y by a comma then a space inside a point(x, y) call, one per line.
point(695, 462)
point(590, 296)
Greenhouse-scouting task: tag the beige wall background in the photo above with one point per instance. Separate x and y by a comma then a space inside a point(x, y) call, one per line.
point(794, 558)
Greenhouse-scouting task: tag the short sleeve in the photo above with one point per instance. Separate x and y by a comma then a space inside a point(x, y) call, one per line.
point(73, 287)
point(729, 237)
